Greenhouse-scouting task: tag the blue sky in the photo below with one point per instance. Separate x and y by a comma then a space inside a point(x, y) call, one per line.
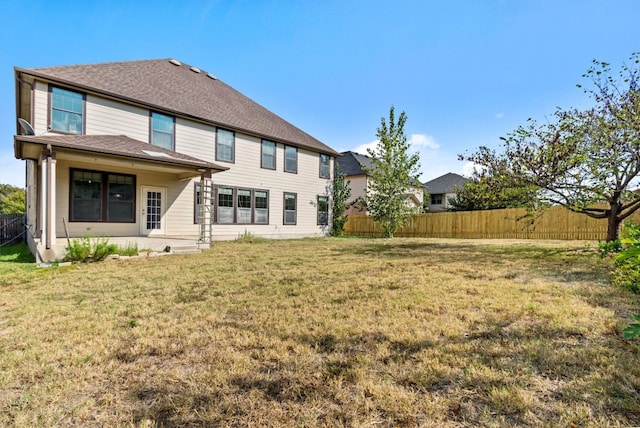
point(465, 72)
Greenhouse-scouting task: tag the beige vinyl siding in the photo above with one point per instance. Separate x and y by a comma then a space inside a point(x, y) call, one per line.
point(195, 139)
point(246, 173)
point(107, 117)
point(358, 186)
point(41, 103)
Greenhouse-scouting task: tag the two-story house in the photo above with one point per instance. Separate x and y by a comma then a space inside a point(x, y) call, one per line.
point(161, 148)
point(441, 190)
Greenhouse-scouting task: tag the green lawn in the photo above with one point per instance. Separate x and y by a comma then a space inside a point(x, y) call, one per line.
point(322, 332)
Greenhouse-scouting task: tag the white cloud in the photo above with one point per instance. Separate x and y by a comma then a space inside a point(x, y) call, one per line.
point(422, 140)
point(362, 148)
point(499, 115)
point(417, 142)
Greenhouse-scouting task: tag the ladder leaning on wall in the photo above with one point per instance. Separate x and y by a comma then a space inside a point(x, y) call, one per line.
point(204, 198)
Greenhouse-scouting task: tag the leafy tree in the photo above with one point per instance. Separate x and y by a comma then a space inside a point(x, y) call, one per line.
point(341, 193)
point(12, 199)
point(392, 172)
point(484, 192)
point(585, 160)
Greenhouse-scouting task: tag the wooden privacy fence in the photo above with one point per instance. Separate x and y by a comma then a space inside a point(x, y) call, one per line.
point(512, 223)
point(11, 228)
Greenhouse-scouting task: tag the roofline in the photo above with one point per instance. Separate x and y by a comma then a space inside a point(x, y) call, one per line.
point(174, 161)
point(160, 109)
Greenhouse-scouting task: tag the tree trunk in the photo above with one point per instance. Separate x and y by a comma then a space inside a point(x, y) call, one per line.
point(613, 222)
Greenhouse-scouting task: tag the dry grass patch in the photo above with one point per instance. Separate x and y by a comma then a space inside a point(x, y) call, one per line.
point(327, 332)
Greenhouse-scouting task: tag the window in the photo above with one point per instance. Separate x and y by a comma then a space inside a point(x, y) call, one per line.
point(225, 144)
point(268, 155)
point(290, 208)
point(436, 199)
point(162, 130)
point(224, 209)
point(240, 206)
point(244, 206)
point(261, 209)
point(325, 162)
point(290, 159)
point(102, 197)
point(323, 210)
point(67, 111)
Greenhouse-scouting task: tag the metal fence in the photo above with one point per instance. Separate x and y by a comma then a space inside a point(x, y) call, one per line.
point(514, 223)
point(12, 228)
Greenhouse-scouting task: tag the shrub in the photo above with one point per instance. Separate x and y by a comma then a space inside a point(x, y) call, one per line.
point(607, 248)
point(131, 249)
point(249, 237)
point(627, 267)
point(86, 249)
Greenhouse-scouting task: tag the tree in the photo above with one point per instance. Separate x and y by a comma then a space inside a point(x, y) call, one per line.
point(341, 193)
point(484, 192)
point(585, 160)
point(393, 171)
point(12, 199)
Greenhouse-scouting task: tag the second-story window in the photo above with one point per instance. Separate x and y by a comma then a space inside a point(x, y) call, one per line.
point(325, 162)
point(290, 159)
point(268, 160)
point(225, 145)
point(162, 130)
point(67, 111)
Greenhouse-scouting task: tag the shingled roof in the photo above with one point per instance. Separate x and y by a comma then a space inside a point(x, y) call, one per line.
point(115, 145)
point(351, 163)
point(176, 88)
point(447, 183)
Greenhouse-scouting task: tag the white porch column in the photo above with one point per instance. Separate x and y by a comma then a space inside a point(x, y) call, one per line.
point(44, 167)
point(48, 199)
point(51, 182)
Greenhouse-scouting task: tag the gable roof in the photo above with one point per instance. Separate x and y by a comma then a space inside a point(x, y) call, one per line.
point(173, 87)
point(116, 145)
point(350, 163)
point(445, 183)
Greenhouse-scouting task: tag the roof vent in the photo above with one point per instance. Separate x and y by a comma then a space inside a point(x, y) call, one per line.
point(211, 76)
point(175, 62)
point(195, 70)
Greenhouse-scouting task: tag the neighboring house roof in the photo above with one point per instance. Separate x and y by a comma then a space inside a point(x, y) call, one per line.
point(177, 88)
point(350, 163)
point(115, 145)
point(447, 183)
